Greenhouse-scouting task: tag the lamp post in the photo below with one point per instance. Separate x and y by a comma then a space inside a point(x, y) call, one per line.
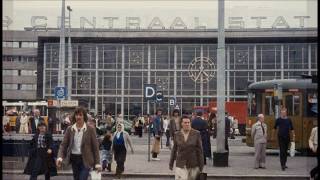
point(69, 56)
point(61, 72)
point(221, 155)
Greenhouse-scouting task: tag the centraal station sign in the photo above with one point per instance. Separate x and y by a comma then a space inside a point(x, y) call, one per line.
point(40, 22)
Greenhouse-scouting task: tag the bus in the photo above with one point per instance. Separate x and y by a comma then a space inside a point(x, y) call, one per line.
point(299, 96)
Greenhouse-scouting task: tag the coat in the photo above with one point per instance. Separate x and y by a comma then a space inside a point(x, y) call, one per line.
point(202, 126)
point(257, 132)
point(33, 124)
point(173, 127)
point(48, 160)
point(187, 153)
point(89, 146)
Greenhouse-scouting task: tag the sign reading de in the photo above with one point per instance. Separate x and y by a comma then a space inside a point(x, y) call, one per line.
point(150, 91)
point(60, 92)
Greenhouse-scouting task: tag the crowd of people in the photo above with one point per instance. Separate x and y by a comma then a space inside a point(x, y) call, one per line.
point(91, 143)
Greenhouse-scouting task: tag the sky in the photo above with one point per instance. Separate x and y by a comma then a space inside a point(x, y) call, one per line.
point(21, 11)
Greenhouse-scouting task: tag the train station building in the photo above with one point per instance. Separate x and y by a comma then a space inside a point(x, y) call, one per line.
point(108, 68)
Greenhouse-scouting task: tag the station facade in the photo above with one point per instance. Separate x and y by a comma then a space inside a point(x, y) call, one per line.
point(109, 68)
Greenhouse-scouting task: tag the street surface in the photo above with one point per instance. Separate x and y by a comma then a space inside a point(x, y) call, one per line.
point(241, 160)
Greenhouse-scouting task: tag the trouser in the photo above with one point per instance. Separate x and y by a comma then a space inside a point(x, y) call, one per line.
point(186, 173)
point(80, 172)
point(314, 173)
point(156, 147)
point(168, 138)
point(120, 167)
point(36, 169)
point(283, 145)
point(260, 155)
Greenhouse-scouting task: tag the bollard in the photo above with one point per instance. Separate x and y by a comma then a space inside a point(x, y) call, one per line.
point(148, 129)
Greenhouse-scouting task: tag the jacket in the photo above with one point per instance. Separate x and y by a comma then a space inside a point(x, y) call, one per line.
point(188, 153)
point(47, 163)
point(33, 124)
point(127, 140)
point(313, 140)
point(89, 146)
point(257, 132)
point(173, 127)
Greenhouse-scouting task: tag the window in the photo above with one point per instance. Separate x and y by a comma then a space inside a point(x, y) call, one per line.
point(10, 72)
point(9, 86)
point(29, 44)
point(269, 105)
point(292, 105)
point(28, 73)
point(28, 87)
point(312, 104)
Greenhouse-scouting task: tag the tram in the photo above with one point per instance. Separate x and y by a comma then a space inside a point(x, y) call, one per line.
point(11, 109)
point(299, 96)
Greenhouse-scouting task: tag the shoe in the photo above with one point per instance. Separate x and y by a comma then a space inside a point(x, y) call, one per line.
point(283, 168)
point(286, 167)
point(262, 167)
point(155, 159)
point(256, 167)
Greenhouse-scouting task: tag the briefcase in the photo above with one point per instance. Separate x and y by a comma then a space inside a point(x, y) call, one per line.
point(202, 176)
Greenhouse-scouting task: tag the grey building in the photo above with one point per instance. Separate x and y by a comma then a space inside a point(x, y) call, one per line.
point(110, 67)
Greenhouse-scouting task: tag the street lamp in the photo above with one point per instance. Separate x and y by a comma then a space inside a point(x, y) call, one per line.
point(69, 55)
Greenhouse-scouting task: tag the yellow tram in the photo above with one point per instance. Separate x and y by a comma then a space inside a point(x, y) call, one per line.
point(299, 96)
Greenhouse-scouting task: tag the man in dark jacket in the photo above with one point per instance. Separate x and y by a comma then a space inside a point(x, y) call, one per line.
point(35, 120)
point(202, 126)
point(157, 131)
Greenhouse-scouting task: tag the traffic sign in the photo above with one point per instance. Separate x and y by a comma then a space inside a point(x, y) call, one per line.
point(60, 92)
point(172, 101)
point(159, 96)
point(150, 91)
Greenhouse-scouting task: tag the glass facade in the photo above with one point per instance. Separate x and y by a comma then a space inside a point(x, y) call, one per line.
point(111, 77)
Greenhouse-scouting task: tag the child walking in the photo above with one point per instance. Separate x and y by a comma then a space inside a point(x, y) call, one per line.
point(106, 153)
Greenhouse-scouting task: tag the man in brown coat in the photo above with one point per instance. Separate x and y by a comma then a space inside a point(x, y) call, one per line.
point(187, 151)
point(80, 147)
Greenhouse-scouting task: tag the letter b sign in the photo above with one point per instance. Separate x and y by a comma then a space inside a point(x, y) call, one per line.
point(150, 91)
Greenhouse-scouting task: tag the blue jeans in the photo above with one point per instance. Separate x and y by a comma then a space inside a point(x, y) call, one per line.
point(80, 172)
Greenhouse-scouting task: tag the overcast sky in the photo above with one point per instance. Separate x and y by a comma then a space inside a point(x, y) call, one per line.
point(21, 11)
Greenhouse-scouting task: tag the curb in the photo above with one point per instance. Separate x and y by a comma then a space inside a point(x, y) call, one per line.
point(153, 175)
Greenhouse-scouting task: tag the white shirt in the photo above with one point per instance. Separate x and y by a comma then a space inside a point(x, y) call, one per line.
point(76, 147)
point(165, 124)
point(36, 120)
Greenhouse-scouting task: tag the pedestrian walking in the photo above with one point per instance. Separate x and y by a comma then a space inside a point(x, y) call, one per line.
point(202, 126)
point(109, 121)
point(17, 127)
point(41, 158)
point(166, 130)
point(174, 124)
point(106, 153)
point(157, 132)
point(5, 124)
point(119, 119)
point(24, 123)
point(80, 146)
point(313, 144)
point(187, 152)
point(35, 120)
point(259, 135)
point(120, 143)
point(284, 125)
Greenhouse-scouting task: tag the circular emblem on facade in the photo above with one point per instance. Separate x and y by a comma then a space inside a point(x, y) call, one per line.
point(206, 69)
